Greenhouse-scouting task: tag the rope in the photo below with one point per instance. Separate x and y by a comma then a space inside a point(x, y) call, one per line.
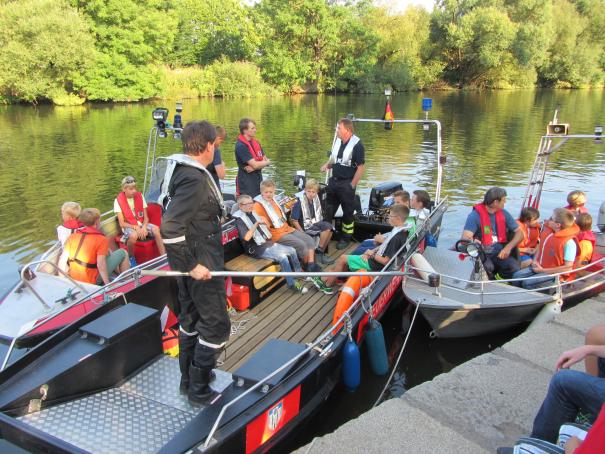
point(241, 326)
point(399, 357)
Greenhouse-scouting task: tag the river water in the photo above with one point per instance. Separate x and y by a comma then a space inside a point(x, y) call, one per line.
point(54, 154)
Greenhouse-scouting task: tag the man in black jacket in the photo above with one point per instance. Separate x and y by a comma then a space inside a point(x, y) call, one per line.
point(191, 231)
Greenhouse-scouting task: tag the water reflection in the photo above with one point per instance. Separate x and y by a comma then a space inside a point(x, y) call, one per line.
point(53, 154)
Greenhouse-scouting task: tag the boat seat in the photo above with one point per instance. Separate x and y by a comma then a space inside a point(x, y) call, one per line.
point(449, 263)
point(258, 286)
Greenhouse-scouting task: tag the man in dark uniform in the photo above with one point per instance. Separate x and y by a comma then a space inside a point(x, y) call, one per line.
point(347, 162)
point(191, 231)
point(251, 160)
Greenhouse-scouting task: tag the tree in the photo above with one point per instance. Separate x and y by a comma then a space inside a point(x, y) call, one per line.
point(45, 43)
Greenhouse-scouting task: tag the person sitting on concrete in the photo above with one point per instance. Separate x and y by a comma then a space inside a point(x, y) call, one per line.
point(557, 252)
point(131, 209)
point(266, 207)
point(575, 203)
point(376, 259)
point(69, 221)
point(307, 217)
point(529, 221)
point(86, 256)
point(490, 224)
point(256, 240)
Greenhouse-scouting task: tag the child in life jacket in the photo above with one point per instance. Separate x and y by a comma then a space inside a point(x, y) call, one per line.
point(586, 238)
point(131, 209)
point(70, 223)
point(575, 203)
point(529, 221)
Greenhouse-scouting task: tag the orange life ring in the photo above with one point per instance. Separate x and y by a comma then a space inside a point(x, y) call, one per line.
point(348, 293)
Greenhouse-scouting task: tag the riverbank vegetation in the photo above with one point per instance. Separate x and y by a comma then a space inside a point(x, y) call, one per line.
point(70, 51)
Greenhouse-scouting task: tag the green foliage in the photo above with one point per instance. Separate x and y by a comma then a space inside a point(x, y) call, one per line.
point(45, 43)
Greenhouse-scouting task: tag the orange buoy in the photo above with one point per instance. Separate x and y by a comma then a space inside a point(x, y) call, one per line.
point(348, 293)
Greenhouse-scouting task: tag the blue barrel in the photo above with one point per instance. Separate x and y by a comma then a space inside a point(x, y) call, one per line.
point(376, 348)
point(351, 365)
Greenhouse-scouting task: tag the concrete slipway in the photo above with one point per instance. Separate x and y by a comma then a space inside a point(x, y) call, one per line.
point(484, 403)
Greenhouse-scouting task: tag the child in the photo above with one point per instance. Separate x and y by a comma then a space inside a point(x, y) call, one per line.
point(307, 217)
point(266, 207)
point(575, 203)
point(529, 221)
point(69, 215)
point(376, 259)
point(586, 238)
point(420, 203)
point(131, 210)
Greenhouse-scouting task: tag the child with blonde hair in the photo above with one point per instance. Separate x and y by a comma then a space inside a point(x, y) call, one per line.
point(69, 221)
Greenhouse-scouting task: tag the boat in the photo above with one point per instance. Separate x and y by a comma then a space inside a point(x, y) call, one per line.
point(102, 383)
point(458, 300)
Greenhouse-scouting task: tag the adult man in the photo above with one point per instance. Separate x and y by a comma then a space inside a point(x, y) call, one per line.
point(191, 230)
point(217, 166)
point(251, 159)
point(86, 253)
point(347, 162)
point(557, 251)
point(490, 223)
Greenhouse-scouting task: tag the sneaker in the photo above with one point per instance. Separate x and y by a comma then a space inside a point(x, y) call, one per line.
point(298, 287)
point(326, 260)
point(321, 286)
point(133, 262)
point(343, 243)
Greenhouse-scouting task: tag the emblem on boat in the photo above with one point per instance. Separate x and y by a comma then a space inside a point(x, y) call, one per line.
point(275, 415)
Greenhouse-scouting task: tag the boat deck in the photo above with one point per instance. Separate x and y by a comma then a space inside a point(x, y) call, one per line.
point(284, 314)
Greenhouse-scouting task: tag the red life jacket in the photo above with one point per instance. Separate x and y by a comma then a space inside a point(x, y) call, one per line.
point(255, 149)
point(577, 211)
point(552, 245)
point(129, 216)
point(531, 235)
point(486, 226)
point(72, 224)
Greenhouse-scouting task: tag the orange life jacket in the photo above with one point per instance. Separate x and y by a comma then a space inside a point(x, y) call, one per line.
point(255, 149)
point(139, 211)
point(82, 255)
point(552, 244)
point(486, 226)
point(589, 236)
point(531, 235)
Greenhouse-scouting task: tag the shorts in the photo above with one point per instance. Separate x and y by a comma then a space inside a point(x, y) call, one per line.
point(319, 227)
point(357, 262)
point(128, 231)
point(523, 258)
point(114, 259)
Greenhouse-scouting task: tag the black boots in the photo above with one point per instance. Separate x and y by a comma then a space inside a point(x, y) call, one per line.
point(186, 349)
point(200, 392)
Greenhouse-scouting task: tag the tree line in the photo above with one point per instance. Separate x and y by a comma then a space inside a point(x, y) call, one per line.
point(70, 51)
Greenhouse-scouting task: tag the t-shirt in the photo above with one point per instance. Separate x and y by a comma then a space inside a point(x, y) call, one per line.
point(250, 246)
point(276, 234)
point(217, 161)
point(391, 249)
point(247, 183)
point(357, 158)
point(473, 223)
point(421, 215)
point(117, 209)
point(569, 251)
point(92, 246)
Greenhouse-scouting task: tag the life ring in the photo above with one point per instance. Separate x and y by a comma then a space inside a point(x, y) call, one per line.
point(348, 293)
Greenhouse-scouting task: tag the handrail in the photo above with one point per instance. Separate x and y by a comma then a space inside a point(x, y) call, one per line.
point(328, 333)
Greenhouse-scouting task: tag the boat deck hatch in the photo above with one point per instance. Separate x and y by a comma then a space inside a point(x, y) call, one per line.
point(142, 415)
point(270, 357)
point(115, 323)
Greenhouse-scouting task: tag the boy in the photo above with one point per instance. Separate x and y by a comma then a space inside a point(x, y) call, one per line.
point(529, 221)
point(575, 203)
point(586, 239)
point(307, 217)
point(217, 167)
point(421, 200)
point(266, 207)
point(256, 239)
point(376, 259)
point(69, 215)
point(86, 252)
point(131, 210)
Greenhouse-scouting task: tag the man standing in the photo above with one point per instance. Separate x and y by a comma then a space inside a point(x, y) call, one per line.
point(490, 223)
point(347, 162)
point(251, 159)
point(191, 230)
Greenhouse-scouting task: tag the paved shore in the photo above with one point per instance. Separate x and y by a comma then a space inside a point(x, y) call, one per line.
point(484, 403)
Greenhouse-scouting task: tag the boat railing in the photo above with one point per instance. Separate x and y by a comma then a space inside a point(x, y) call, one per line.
point(330, 333)
point(477, 287)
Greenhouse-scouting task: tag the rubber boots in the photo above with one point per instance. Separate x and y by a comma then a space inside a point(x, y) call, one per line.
point(200, 392)
point(186, 349)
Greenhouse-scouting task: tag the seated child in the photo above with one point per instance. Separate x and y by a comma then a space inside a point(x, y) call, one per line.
point(131, 210)
point(375, 259)
point(69, 215)
point(256, 239)
point(307, 216)
point(586, 238)
point(399, 198)
point(266, 207)
point(575, 203)
point(529, 221)
point(420, 203)
point(86, 256)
